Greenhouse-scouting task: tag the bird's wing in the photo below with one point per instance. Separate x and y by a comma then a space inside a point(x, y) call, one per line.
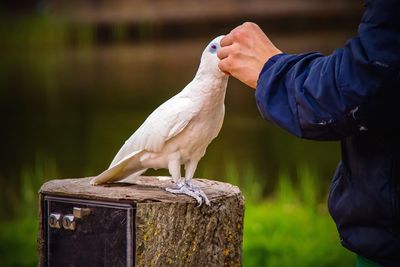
point(130, 166)
point(167, 121)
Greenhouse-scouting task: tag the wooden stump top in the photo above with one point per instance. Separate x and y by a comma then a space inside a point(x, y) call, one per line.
point(145, 189)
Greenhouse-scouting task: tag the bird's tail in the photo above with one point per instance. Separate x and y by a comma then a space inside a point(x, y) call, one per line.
point(126, 168)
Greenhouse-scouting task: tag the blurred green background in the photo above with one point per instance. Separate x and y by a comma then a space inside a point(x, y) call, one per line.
point(78, 77)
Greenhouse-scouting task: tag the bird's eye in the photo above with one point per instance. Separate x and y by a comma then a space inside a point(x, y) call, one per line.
point(213, 48)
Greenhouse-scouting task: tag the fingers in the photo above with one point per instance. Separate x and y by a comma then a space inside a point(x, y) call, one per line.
point(233, 45)
point(236, 35)
point(226, 41)
point(224, 52)
point(224, 65)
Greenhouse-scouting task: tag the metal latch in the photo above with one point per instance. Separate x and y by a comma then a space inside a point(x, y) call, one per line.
point(55, 220)
point(81, 212)
point(68, 221)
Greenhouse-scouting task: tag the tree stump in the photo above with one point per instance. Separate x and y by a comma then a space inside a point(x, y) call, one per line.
point(139, 224)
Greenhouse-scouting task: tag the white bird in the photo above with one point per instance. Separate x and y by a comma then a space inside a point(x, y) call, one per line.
point(177, 132)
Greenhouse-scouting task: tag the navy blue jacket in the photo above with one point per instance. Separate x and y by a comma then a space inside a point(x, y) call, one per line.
point(351, 95)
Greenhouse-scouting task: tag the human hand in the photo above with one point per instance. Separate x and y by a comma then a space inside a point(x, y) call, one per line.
point(244, 51)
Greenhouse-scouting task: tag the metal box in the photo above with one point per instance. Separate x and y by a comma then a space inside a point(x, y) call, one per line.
point(82, 232)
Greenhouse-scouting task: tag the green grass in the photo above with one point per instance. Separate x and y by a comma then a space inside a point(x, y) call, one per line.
point(290, 228)
point(19, 229)
point(289, 234)
point(18, 242)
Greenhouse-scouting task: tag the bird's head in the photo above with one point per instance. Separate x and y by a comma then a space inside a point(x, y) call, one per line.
point(209, 59)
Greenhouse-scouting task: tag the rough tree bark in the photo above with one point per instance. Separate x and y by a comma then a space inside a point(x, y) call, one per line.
point(170, 229)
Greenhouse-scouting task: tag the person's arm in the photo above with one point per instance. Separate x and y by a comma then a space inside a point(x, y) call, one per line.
point(321, 97)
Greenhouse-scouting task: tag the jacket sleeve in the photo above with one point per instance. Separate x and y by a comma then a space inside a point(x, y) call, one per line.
point(321, 97)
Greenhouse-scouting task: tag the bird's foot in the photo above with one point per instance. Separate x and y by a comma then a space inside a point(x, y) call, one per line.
point(191, 190)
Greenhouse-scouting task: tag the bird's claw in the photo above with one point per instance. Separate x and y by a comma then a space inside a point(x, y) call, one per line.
point(192, 191)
